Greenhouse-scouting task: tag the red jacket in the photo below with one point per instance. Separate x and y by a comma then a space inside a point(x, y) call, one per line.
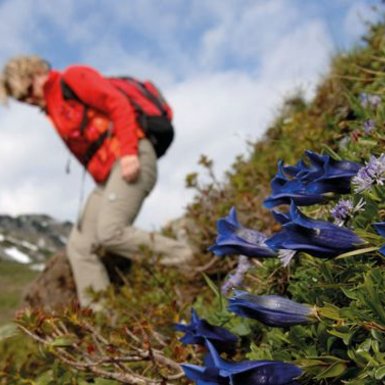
point(108, 109)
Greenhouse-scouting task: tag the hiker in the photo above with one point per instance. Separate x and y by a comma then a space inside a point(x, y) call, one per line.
point(108, 130)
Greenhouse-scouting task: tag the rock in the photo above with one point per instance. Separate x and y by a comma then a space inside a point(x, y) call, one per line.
point(54, 287)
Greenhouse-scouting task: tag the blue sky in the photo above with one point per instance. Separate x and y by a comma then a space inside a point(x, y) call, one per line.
point(225, 66)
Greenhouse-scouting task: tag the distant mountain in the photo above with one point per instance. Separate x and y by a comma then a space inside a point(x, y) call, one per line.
point(31, 239)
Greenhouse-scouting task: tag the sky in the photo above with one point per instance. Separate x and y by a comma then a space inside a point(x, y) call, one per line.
point(225, 66)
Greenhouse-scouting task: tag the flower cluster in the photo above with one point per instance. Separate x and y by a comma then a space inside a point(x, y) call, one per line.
point(369, 100)
point(370, 174)
point(369, 126)
point(345, 209)
point(307, 184)
point(342, 210)
point(236, 279)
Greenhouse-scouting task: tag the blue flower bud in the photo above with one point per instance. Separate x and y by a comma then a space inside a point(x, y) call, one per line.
point(318, 238)
point(272, 310)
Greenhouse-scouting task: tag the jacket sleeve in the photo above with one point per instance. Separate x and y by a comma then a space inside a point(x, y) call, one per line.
point(97, 92)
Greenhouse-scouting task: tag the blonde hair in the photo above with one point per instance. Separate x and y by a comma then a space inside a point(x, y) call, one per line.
point(18, 73)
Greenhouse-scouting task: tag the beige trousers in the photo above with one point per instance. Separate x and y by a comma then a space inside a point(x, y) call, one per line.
point(107, 222)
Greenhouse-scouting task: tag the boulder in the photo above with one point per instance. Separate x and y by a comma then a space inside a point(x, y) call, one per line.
point(54, 287)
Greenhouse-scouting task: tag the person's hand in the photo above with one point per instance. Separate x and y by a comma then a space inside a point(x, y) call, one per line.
point(130, 167)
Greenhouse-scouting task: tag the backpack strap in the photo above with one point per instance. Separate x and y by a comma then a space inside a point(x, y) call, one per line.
point(69, 94)
point(94, 147)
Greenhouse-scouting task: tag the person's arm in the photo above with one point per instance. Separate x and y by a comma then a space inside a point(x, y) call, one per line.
point(97, 92)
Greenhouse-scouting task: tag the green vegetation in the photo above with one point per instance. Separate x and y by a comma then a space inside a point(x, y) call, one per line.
point(134, 342)
point(14, 279)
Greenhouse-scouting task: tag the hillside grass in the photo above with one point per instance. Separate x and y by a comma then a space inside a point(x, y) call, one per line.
point(14, 280)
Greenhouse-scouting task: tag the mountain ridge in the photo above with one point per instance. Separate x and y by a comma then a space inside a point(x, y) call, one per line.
point(31, 238)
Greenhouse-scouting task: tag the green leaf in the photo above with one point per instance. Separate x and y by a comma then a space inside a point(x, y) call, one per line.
point(357, 252)
point(62, 342)
point(241, 329)
point(45, 378)
point(367, 142)
point(372, 297)
point(379, 374)
point(335, 370)
point(212, 286)
point(308, 363)
point(329, 343)
point(331, 152)
point(351, 294)
point(366, 356)
point(346, 337)
point(378, 336)
point(330, 311)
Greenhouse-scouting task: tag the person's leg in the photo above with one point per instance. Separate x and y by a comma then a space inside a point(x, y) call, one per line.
point(87, 268)
point(119, 207)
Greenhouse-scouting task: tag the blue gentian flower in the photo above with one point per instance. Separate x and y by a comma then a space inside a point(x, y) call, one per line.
point(198, 330)
point(271, 310)
point(308, 184)
point(338, 170)
point(325, 168)
point(235, 239)
point(380, 228)
point(221, 372)
point(284, 190)
point(318, 238)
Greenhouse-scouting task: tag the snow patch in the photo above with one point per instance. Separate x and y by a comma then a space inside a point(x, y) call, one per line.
point(29, 245)
point(17, 255)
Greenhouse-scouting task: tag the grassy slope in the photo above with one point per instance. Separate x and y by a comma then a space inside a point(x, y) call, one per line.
point(14, 278)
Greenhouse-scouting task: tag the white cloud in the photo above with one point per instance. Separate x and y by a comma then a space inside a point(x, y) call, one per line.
point(125, 64)
point(300, 55)
point(248, 31)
